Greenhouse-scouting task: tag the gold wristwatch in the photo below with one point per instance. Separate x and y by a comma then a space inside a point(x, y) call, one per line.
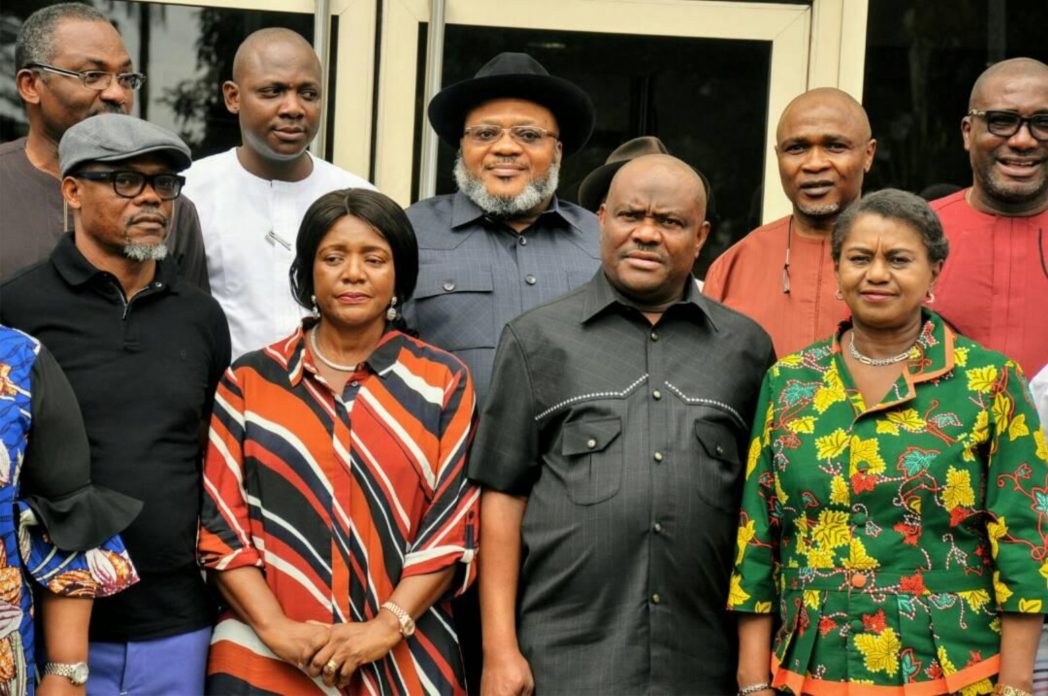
point(407, 624)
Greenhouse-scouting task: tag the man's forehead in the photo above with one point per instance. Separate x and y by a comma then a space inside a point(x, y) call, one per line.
point(999, 90)
point(659, 191)
point(86, 41)
point(825, 117)
point(281, 61)
point(511, 109)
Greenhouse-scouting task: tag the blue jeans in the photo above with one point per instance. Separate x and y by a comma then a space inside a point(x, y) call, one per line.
point(172, 666)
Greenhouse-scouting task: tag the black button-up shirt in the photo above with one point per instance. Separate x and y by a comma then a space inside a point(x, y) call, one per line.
point(629, 441)
point(475, 273)
point(144, 370)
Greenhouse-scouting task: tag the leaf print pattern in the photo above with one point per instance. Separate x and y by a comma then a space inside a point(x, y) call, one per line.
point(922, 510)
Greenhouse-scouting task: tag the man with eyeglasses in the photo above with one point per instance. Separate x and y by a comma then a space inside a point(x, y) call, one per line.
point(781, 274)
point(504, 243)
point(995, 287)
point(143, 350)
point(72, 64)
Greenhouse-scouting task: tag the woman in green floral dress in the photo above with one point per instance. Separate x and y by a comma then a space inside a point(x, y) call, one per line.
point(895, 510)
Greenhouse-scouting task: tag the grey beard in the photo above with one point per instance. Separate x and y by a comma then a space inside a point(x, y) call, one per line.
point(820, 211)
point(507, 208)
point(145, 252)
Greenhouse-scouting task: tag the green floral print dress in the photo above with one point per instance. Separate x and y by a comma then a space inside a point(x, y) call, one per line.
point(891, 537)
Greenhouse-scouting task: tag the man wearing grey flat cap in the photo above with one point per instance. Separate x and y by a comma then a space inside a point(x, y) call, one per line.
point(143, 350)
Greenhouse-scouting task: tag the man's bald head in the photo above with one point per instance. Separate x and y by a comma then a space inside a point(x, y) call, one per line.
point(252, 49)
point(1009, 160)
point(652, 229)
point(824, 148)
point(658, 165)
point(826, 98)
point(1014, 69)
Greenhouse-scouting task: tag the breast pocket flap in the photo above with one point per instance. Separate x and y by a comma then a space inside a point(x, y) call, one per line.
point(589, 436)
point(434, 281)
point(717, 441)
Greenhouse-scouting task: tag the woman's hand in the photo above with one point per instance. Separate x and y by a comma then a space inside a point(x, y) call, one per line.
point(54, 685)
point(293, 641)
point(350, 645)
point(506, 674)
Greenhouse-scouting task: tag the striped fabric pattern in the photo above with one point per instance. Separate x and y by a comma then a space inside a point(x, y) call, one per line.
point(338, 497)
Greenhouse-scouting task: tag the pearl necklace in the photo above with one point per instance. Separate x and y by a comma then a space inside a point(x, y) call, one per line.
point(320, 356)
point(877, 362)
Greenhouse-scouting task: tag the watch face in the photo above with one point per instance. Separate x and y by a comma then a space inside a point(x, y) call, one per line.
point(409, 628)
point(80, 673)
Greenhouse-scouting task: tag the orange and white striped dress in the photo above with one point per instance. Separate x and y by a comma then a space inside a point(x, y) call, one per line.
point(338, 497)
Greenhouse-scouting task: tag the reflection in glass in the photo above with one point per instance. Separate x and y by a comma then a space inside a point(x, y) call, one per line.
point(673, 87)
point(186, 53)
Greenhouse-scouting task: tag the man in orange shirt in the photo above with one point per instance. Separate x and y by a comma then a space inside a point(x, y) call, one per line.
point(994, 287)
point(781, 274)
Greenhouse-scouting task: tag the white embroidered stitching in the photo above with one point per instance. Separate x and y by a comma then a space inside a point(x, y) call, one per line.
point(708, 402)
point(595, 395)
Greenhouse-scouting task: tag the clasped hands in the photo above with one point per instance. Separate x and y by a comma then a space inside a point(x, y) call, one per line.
point(333, 652)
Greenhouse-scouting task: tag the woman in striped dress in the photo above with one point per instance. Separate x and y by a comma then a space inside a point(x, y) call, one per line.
point(337, 520)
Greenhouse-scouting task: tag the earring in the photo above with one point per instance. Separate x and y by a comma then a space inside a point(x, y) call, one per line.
point(839, 295)
point(391, 313)
point(931, 297)
point(316, 310)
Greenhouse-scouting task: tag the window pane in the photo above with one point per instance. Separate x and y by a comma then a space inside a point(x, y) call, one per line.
point(921, 61)
point(186, 52)
point(673, 87)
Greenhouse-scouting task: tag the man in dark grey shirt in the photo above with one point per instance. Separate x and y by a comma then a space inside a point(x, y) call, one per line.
point(611, 451)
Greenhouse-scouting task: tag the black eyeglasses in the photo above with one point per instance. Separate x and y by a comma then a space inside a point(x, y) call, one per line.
point(1005, 124)
point(486, 134)
point(95, 79)
point(129, 183)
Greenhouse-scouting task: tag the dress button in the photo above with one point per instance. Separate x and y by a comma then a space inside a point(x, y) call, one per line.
point(449, 285)
point(858, 581)
point(658, 456)
point(859, 519)
point(591, 443)
point(654, 335)
point(523, 241)
point(656, 599)
point(657, 527)
point(718, 449)
point(530, 279)
point(656, 395)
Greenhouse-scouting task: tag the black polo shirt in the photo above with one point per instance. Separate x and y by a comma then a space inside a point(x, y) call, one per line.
point(144, 372)
point(629, 441)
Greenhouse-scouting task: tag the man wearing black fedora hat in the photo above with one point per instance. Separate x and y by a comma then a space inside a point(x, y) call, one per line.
point(504, 242)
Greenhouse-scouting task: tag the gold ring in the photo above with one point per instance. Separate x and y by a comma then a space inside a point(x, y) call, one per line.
point(331, 667)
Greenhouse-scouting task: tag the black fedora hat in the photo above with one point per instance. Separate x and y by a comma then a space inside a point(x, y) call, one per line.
point(594, 188)
point(514, 75)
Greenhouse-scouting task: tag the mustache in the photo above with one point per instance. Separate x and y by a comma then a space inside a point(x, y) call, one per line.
point(150, 214)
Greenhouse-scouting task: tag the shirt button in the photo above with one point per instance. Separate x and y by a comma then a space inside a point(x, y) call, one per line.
point(718, 449)
point(530, 279)
point(858, 581)
point(523, 241)
point(591, 443)
point(656, 395)
point(449, 285)
point(658, 456)
point(654, 335)
point(354, 383)
point(859, 518)
point(657, 527)
point(857, 626)
point(656, 599)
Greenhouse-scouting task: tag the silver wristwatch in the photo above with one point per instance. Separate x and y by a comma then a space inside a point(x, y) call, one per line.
point(75, 672)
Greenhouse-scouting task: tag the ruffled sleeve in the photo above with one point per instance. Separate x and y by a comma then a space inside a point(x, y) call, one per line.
point(67, 526)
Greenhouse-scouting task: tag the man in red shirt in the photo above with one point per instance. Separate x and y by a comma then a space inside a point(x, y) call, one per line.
point(995, 286)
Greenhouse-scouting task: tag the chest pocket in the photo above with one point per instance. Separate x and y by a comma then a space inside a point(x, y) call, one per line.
point(455, 306)
point(720, 480)
point(593, 459)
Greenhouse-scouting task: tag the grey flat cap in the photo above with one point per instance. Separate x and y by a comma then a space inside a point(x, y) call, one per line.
point(115, 137)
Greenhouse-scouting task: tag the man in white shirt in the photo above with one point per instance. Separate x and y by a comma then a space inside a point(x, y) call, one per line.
point(251, 199)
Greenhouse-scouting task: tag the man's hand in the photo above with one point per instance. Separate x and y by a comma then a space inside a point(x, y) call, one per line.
point(54, 685)
point(506, 674)
point(351, 645)
point(292, 641)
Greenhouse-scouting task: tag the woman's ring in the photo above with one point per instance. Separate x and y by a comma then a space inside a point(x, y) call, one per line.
point(331, 667)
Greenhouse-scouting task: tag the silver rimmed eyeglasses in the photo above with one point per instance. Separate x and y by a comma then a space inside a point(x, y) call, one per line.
point(95, 79)
point(486, 134)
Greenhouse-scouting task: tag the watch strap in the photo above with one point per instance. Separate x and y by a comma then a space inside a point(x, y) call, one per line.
point(407, 624)
point(75, 672)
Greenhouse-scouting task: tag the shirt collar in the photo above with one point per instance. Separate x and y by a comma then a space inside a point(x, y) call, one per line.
point(76, 270)
point(465, 212)
point(293, 353)
point(600, 296)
